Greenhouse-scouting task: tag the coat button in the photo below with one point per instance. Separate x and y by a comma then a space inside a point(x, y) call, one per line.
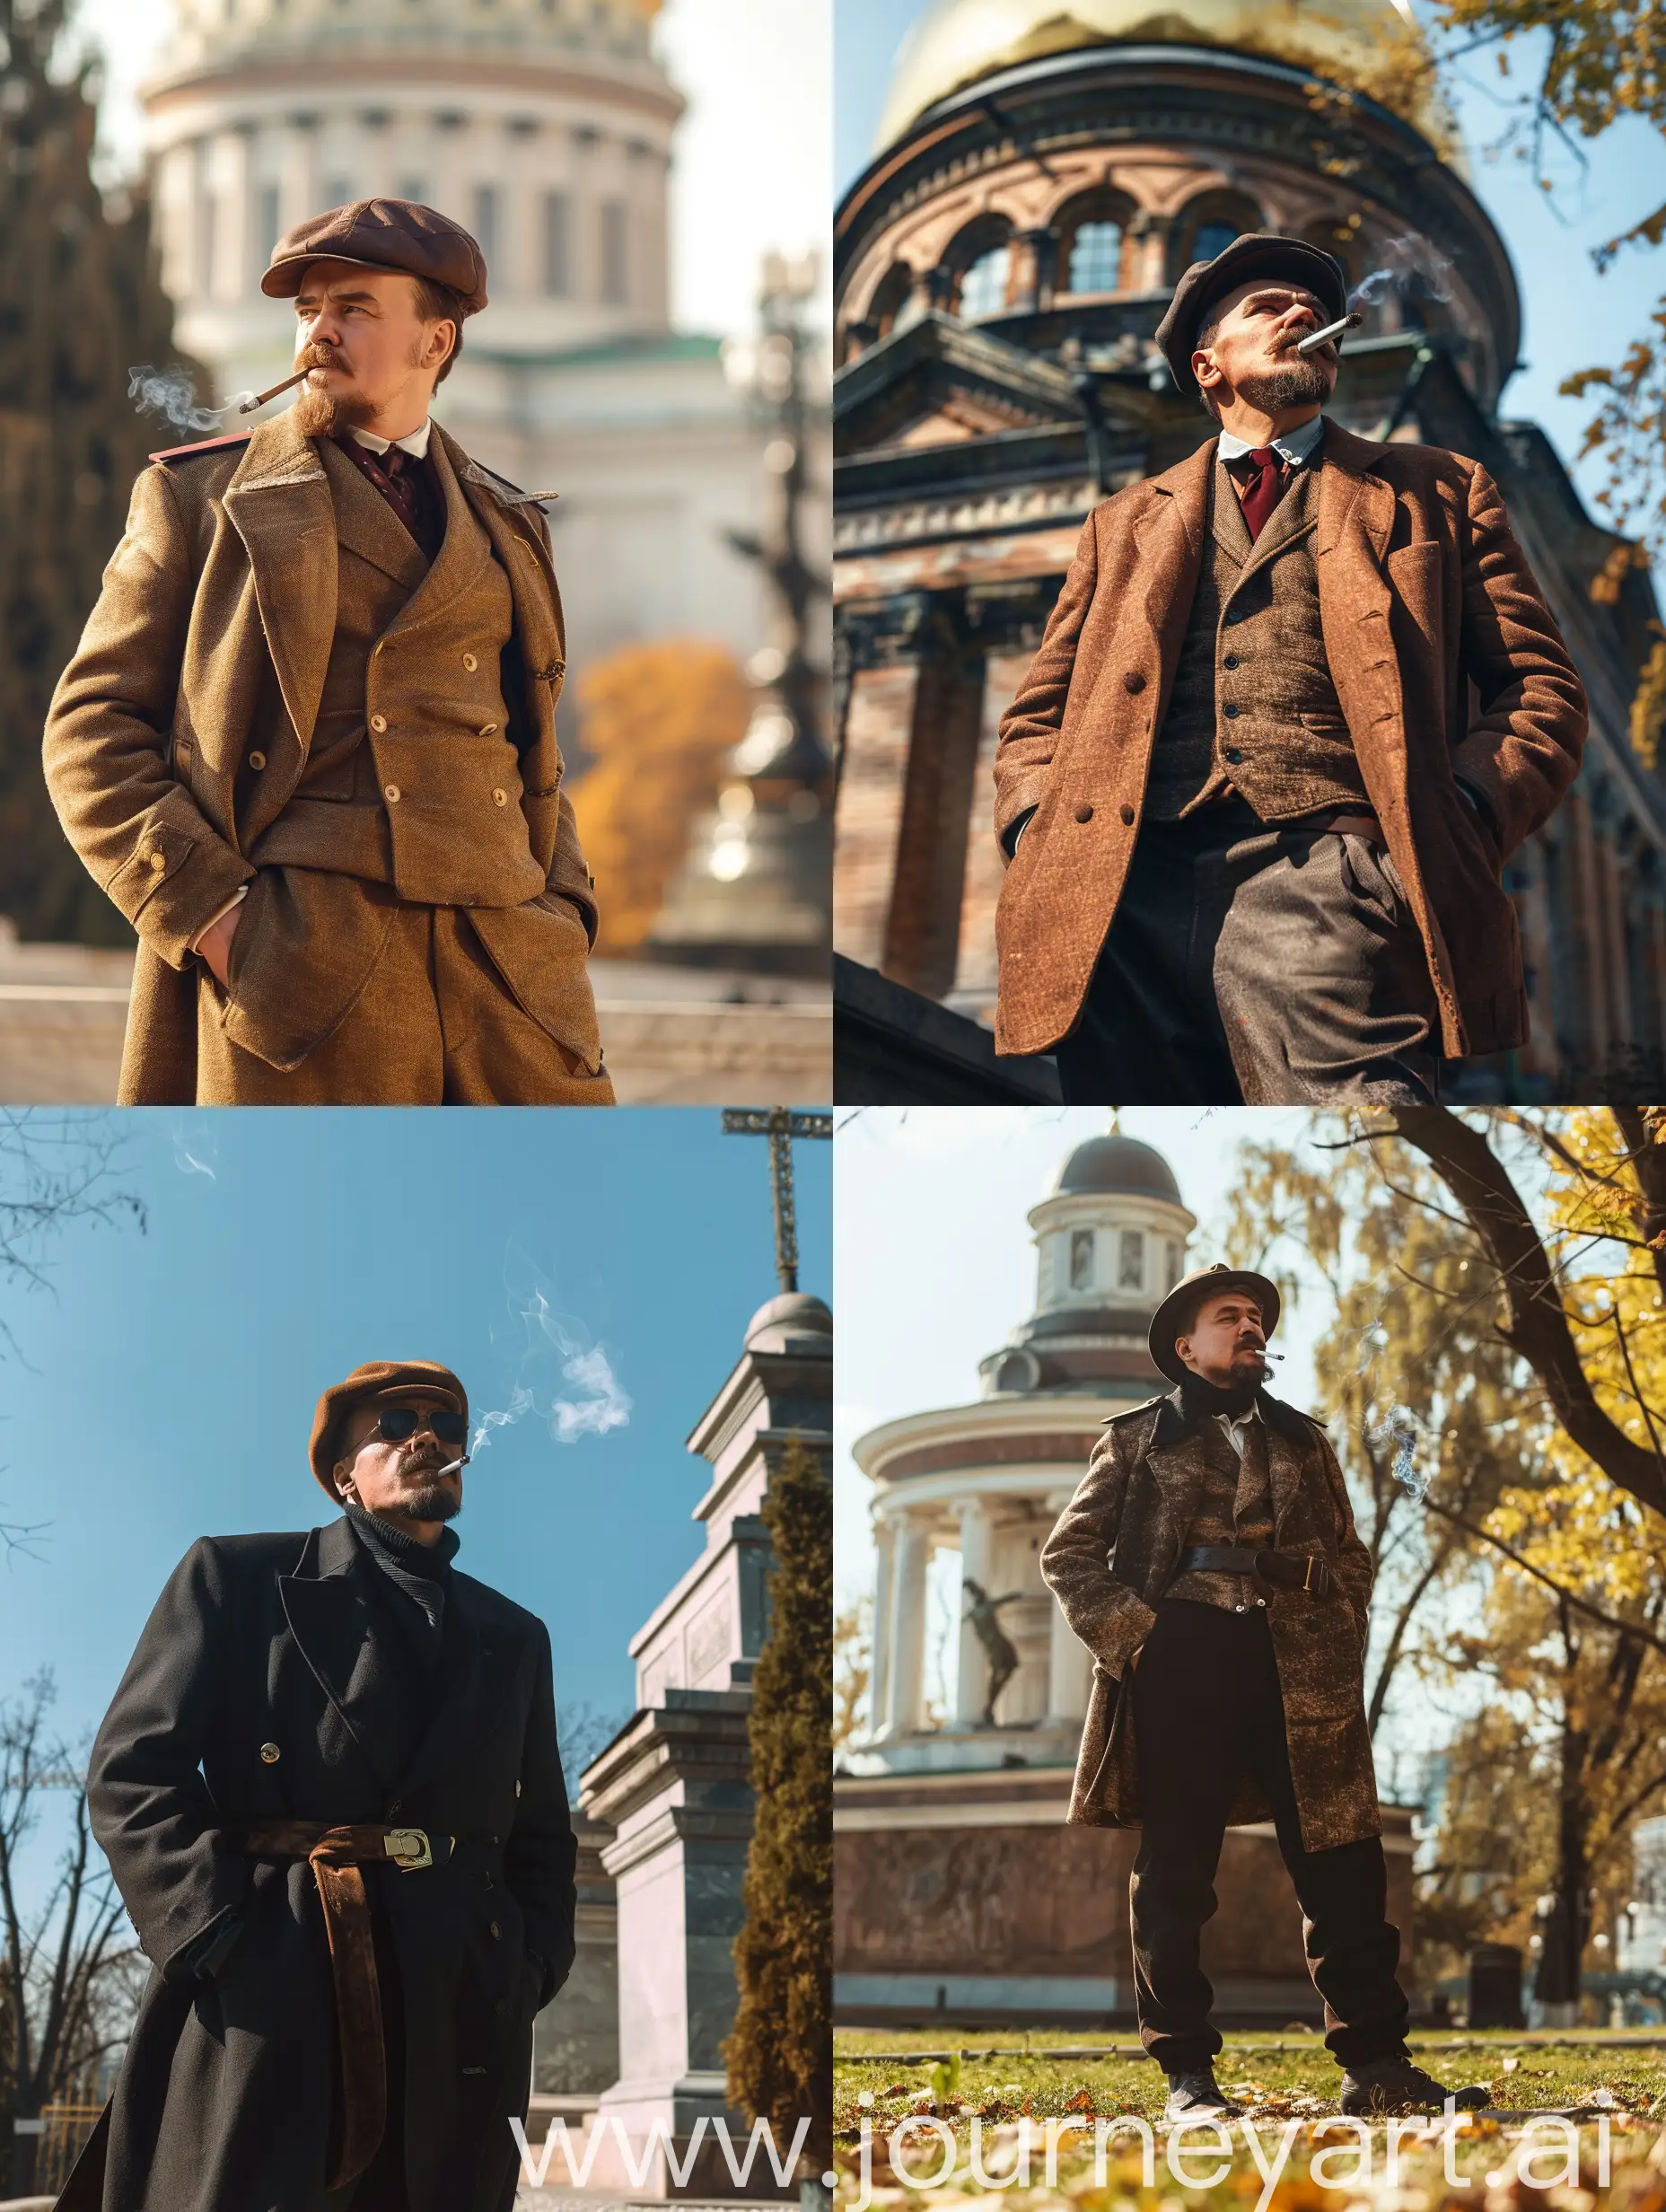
point(270, 1753)
point(488, 729)
point(469, 662)
point(156, 861)
point(517, 1789)
point(1233, 755)
point(1127, 813)
point(1134, 680)
point(391, 793)
point(379, 722)
point(496, 1931)
point(499, 797)
point(1237, 1609)
point(1230, 710)
point(1084, 813)
point(257, 759)
point(1231, 661)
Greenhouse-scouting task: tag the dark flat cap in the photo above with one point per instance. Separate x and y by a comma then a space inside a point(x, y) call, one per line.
point(1253, 253)
point(383, 234)
point(1175, 1315)
point(375, 1382)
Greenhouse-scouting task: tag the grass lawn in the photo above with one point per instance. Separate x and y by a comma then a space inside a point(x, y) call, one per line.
point(1007, 2084)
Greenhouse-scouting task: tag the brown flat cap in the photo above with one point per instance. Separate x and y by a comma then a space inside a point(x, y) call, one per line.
point(377, 1381)
point(1253, 253)
point(1175, 1315)
point(383, 234)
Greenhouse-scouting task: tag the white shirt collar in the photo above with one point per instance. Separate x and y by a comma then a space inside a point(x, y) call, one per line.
point(1236, 1427)
point(417, 443)
point(1294, 445)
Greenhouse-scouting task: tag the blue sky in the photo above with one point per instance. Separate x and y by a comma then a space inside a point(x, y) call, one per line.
point(1573, 319)
point(161, 1385)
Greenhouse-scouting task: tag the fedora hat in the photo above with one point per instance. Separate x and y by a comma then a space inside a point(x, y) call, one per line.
point(1175, 1315)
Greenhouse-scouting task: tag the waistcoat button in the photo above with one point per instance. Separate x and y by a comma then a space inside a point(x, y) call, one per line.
point(391, 793)
point(1127, 813)
point(1084, 813)
point(270, 1753)
point(469, 662)
point(1134, 680)
point(157, 861)
point(257, 759)
point(1230, 711)
point(1233, 755)
point(379, 722)
point(500, 798)
point(1231, 661)
point(488, 729)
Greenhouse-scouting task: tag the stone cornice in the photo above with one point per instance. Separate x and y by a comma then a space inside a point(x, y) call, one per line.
point(438, 73)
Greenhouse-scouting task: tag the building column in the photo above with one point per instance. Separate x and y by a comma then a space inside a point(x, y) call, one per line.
point(884, 1582)
point(1035, 270)
point(906, 1671)
point(1070, 1664)
point(972, 1681)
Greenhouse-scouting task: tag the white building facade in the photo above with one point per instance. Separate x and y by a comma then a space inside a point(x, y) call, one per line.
point(988, 1481)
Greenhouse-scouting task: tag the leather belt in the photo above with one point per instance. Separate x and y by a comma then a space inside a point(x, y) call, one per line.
point(1286, 1570)
point(1359, 821)
point(335, 1855)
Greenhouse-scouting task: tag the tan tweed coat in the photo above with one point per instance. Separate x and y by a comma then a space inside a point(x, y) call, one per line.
point(1423, 592)
point(207, 654)
point(1113, 1555)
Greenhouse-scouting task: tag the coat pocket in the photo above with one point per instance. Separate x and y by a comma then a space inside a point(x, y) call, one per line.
point(539, 949)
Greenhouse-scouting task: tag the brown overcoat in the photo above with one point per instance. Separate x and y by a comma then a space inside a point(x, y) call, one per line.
point(1424, 593)
point(212, 635)
point(1113, 1555)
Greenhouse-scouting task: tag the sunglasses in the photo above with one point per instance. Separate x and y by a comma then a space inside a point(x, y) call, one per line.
point(396, 1424)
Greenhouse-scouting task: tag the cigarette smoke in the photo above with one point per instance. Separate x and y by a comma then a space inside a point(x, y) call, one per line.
point(1403, 258)
point(593, 1401)
point(172, 394)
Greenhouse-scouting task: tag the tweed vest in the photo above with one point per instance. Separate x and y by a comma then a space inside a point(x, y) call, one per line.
point(1234, 1506)
point(1253, 705)
point(411, 777)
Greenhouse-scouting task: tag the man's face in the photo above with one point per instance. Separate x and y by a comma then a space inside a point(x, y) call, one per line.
point(1251, 355)
point(403, 1480)
point(358, 330)
point(1226, 1344)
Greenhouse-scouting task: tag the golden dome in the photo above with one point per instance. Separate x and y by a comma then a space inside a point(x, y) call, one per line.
point(1369, 46)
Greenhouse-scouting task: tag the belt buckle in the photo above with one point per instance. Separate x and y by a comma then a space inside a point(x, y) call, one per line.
point(1313, 1560)
point(408, 1848)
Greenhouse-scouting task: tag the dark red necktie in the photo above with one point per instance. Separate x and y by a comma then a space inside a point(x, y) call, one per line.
point(1263, 483)
point(404, 481)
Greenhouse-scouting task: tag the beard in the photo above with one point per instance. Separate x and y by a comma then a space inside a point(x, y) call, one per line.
point(432, 1501)
point(319, 414)
point(1296, 383)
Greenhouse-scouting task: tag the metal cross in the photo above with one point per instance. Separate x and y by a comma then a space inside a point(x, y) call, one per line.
point(780, 1124)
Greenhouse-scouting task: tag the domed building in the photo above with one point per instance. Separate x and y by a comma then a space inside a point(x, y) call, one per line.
point(1045, 172)
point(547, 128)
point(959, 1890)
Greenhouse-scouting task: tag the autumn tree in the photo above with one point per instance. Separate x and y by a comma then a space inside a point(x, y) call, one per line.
point(656, 721)
point(81, 303)
point(853, 1670)
point(1590, 65)
point(779, 2054)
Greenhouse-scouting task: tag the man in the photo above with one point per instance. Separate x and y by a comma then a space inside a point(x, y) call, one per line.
point(1209, 1562)
point(1299, 701)
point(330, 1791)
point(307, 742)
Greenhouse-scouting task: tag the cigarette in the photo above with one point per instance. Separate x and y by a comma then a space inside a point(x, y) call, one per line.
point(455, 1467)
point(1331, 329)
point(259, 399)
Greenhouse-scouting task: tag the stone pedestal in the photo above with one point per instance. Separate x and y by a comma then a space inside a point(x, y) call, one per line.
point(575, 2039)
point(673, 1788)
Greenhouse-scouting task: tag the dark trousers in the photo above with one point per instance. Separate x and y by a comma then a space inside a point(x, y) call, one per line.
point(1250, 964)
point(1207, 1708)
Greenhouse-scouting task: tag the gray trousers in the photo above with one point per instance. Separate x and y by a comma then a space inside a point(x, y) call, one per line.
point(1254, 963)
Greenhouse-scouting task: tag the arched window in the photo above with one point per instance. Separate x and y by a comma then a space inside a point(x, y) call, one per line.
point(890, 296)
point(1212, 238)
point(1209, 226)
point(984, 286)
point(1096, 256)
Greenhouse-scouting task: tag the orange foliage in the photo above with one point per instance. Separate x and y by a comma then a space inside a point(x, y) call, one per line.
point(657, 720)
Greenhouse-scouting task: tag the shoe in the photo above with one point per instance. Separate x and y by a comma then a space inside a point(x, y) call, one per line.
point(1394, 2085)
point(1199, 2096)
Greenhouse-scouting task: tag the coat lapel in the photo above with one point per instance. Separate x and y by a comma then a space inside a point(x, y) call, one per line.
point(279, 504)
point(330, 1618)
point(366, 524)
point(514, 539)
point(1169, 536)
point(457, 1716)
point(1175, 1456)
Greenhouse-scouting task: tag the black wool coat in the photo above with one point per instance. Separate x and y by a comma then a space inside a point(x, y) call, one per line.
point(224, 2099)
